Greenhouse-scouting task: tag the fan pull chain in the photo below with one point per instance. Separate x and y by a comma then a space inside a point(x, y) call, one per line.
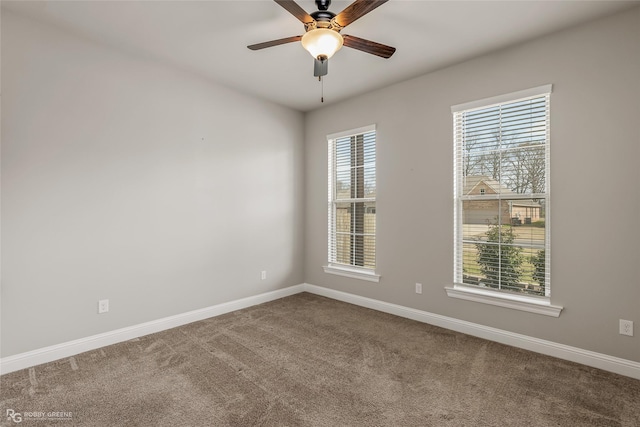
point(321, 88)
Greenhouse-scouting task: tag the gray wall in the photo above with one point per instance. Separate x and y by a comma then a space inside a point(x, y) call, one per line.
point(595, 199)
point(126, 179)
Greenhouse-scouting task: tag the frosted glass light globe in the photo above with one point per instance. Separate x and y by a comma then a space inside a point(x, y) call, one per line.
point(322, 42)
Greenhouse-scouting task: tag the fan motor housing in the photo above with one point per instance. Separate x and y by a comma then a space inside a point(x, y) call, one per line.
point(323, 15)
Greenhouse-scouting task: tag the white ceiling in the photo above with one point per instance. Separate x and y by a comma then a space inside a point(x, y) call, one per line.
point(210, 38)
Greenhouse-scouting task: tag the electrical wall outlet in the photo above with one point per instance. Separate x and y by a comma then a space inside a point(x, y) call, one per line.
point(418, 288)
point(103, 306)
point(626, 327)
point(263, 275)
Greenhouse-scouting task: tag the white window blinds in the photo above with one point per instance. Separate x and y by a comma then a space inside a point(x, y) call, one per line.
point(501, 191)
point(352, 199)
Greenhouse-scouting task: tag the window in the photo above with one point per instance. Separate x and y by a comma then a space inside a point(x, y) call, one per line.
point(352, 203)
point(501, 193)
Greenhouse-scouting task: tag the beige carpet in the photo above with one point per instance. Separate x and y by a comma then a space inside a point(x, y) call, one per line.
point(306, 360)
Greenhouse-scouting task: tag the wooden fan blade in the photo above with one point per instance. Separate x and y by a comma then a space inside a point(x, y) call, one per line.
point(293, 8)
point(278, 42)
point(357, 10)
point(368, 46)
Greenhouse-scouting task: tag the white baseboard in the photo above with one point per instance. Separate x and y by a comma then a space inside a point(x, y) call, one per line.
point(48, 354)
point(617, 365)
point(70, 348)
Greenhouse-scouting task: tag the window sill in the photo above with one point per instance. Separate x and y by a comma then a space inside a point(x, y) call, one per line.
point(354, 273)
point(516, 302)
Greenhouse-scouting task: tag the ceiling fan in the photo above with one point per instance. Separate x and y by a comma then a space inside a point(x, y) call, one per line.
point(322, 36)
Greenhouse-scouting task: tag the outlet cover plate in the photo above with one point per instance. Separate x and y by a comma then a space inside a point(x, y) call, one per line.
point(103, 306)
point(626, 327)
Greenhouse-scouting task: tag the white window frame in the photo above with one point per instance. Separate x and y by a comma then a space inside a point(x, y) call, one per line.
point(530, 303)
point(332, 267)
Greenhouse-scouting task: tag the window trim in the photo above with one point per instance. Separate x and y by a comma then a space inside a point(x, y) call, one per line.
point(529, 303)
point(351, 271)
point(500, 99)
point(351, 132)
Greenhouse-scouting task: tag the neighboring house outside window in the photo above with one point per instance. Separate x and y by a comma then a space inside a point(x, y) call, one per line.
point(501, 194)
point(352, 204)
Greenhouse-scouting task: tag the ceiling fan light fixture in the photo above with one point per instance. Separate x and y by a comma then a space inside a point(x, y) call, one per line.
point(322, 42)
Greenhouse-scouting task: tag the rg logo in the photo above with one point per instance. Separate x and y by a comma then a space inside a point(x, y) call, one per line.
point(16, 417)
